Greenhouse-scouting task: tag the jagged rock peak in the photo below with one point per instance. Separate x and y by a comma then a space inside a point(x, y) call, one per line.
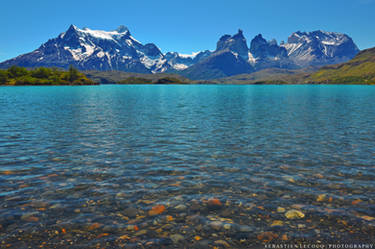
point(258, 39)
point(260, 47)
point(273, 42)
point(236, 44)
point(72, 27)
point(122, 29)
point(239, 35)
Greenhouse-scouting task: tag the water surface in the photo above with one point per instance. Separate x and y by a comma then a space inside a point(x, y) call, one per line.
point(81, 167)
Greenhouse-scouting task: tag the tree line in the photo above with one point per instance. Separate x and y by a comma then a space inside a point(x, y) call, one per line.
point(16, 75)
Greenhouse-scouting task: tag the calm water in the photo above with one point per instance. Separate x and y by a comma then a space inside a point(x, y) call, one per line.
point(81, 167)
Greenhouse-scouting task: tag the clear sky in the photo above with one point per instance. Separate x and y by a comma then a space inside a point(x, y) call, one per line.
point(184, 26)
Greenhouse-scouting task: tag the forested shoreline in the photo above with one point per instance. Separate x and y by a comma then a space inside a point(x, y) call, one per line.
point(43, 76)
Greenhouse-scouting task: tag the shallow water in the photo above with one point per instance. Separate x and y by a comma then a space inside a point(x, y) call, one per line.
point(81, 167)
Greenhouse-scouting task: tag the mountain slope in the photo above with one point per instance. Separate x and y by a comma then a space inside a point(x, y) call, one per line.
point(230, 58)
point(179, 62)
point(220, 64)
point(269, 76)
point(359, 70)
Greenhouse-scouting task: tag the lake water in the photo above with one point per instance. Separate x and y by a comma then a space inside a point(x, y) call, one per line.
point(199, 166)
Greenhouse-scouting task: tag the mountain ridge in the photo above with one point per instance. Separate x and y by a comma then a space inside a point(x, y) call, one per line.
point(88, 49)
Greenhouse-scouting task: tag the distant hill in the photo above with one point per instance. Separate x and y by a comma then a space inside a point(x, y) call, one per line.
point(120, 77)
point(270, 76)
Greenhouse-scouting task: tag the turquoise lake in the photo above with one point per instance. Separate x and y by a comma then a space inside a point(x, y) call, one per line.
point(198, 166)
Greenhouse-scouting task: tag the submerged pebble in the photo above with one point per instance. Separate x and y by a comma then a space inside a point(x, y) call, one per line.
point(244, 228)
point(281, 210)
point(181, 207)
point(227, 226)
point(176, 238)
point(222, 243)
point(130, 212)
point(277, 223)
point(214, 204)
point(216, 225)
point(294, 214)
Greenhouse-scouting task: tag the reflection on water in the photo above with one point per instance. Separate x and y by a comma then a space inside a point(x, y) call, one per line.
point(186, 166)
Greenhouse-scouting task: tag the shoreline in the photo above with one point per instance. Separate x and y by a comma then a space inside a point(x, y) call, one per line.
point(185, 84)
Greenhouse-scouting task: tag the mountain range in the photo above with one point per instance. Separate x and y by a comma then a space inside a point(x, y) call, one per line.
point(88, 49)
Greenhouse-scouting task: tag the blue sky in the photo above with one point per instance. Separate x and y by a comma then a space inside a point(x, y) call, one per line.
point(182, 26)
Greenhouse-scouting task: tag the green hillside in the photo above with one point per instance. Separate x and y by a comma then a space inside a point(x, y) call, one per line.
point(359, 70)
point(270, 76)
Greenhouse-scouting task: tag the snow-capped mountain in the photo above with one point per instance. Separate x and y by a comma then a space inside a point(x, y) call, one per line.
point(316, 48)
point(320, 48)
point(89, 49)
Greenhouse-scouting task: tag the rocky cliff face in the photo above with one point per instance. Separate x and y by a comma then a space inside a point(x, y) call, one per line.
point(268, 54)
point(236, 44)
point(261, 48)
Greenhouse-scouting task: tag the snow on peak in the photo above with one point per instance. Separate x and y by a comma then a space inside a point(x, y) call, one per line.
point(110, 46)
point(192, 55)
point(325, 37)
point(106, 35)
point(100, 34)
point(327, 33)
